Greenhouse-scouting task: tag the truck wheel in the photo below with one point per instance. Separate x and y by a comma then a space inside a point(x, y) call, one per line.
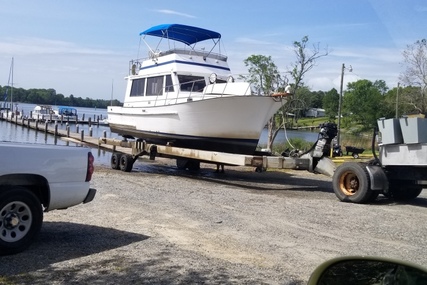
point(115, 160)
point(402, 193)
point(351, 183)
point(126, 163)
point(21, 218)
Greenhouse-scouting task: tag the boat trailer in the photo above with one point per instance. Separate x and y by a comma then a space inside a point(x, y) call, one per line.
point(314, 160)
point(399, 171)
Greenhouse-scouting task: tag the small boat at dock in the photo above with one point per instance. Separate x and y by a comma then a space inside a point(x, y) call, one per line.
point(188, 97)
point(44, 113)
point(67, 113)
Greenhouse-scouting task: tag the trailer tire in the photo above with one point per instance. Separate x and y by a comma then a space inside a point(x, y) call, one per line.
point(181, 163)
point(126, 163)
point(193, 165)
point(21, 218)
point(351, 183)
point(115, 160)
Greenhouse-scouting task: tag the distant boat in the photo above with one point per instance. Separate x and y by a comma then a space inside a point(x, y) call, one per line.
point(44, 113)
point(188, 98)
point(66, 113)
point(11, 112)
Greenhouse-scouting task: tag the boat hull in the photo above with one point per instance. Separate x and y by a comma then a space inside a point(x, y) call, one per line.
point(227, 124)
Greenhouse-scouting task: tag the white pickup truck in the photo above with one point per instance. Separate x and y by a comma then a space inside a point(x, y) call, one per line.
point(35, 179)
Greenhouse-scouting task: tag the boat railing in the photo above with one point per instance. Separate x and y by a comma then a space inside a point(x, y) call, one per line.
point(191, 93)
point(201, 53)
point(135, 64)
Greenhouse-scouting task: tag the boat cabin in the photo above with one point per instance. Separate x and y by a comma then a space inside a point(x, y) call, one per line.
point(179, 75)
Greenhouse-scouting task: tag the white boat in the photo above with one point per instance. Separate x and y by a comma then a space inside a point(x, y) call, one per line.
point(187, 98)
point(44, 113)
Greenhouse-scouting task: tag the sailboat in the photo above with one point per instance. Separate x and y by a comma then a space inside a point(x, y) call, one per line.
point(11, 112)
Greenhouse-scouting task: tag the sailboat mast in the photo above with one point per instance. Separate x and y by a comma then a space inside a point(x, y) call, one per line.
point(11, 86)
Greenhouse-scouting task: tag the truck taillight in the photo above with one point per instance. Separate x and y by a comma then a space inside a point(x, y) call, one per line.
point(90, 167)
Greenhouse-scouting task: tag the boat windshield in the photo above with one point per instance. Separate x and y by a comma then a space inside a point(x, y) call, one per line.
point(191, 83)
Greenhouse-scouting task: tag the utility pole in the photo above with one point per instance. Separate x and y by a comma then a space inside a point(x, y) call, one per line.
point(397, 100)
point(339, 106)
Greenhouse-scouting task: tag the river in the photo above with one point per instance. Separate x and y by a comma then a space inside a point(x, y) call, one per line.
point(14, 133)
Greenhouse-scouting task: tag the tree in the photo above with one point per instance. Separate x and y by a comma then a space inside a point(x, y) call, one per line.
point(305, 60)
point(362, 103)
point(330, 103)
point(263, 74)
point(265, 78)
point(415, 74)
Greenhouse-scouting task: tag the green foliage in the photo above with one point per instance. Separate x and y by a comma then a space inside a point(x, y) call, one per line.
point(263, 74)
point(50, 97)
point(330, 103)
point(362, 103)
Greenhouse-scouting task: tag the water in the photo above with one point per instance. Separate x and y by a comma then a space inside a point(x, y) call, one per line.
point(14, 133)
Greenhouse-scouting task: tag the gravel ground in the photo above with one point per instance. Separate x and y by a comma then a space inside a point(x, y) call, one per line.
point(160, 225)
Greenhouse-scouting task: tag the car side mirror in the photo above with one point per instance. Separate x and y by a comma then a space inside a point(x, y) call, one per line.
point(368, 270)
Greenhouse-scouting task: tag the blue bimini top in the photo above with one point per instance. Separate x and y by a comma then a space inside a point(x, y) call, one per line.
point(182, 33)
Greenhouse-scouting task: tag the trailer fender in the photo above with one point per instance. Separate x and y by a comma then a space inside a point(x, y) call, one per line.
point(378, 177)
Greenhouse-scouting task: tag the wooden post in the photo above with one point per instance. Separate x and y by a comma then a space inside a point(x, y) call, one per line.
point(56, 130)
point(68, 130)
point(90, 131)
point(89, 121)
point(82, 135)
point(77, 128)
point(45, 127)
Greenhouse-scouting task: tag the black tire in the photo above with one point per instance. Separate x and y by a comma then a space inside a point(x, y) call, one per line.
point(181, 163)
point(193, 165)
point(115, 160)
point(403, 193)
point(21, 218)
point(351, 183)
point(126, 163)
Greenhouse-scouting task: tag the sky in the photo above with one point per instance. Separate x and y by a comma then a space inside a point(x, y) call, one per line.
point(83, 47)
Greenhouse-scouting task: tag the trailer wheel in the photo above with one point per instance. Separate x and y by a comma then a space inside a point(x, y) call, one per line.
point(21, 218)
point(184, 163)
point(181, 163)
point(126, 163)
point(193, 165)
point(115, 160)
point(351, 183)
point(402, 193)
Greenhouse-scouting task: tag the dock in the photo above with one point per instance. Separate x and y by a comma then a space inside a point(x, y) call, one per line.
point(78, 136)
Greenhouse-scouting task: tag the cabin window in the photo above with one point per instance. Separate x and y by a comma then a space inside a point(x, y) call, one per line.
point(138, 86)
point(155, 86)
point(169, 84)
point(191, 83)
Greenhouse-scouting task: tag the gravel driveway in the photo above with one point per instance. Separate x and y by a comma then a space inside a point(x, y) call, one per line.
point(160, 225)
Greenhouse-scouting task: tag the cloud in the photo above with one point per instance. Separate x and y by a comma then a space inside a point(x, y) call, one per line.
point(165, 11)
